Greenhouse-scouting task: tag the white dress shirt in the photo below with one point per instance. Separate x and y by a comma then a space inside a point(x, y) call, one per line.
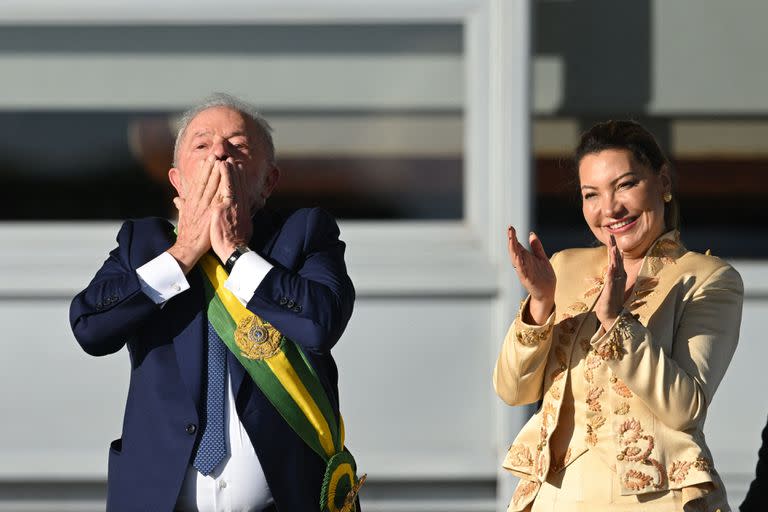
point(238, 483)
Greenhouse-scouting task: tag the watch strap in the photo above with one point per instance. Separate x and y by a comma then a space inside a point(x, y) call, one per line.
point(239, 251)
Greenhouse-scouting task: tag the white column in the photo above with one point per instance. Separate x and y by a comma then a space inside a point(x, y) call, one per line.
point(510, 183)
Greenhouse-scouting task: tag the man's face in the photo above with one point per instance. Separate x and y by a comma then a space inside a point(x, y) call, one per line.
point(225, 133)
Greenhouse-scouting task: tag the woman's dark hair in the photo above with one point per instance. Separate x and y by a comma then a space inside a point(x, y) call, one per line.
point(641, 143)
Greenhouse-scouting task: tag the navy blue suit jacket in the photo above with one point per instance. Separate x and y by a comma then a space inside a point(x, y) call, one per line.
point(308, 296)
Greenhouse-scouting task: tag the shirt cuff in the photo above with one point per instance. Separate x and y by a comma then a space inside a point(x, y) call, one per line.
point(249, 271)
point(162, 278)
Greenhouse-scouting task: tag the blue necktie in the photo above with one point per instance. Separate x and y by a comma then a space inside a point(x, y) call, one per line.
point(213, 445)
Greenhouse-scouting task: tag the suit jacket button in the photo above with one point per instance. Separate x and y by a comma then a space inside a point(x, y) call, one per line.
point(297, 309)
point(191, 428)
point(283, 301)
point(290, 304)
point(99, 305)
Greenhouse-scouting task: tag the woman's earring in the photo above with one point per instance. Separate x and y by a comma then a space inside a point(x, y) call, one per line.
point(667, 197)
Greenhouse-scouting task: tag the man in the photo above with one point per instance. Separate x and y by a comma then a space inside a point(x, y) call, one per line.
point(210, 422)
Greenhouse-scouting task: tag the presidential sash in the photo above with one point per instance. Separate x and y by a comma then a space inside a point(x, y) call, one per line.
point(282, 372)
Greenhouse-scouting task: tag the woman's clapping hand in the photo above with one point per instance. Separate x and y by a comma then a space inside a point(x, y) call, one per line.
point(535, 273)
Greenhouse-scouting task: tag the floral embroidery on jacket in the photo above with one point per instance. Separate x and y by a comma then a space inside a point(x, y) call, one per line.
point(629, 431)
point(541, 465)
point(621, 389)
point(519, 455)
point(593, 397)
point(636, 480)
point(622, 409)
point(596, 284)
point(593, 424)
point(578, 307)
point(703, 464)
point(678, 471)
point(531, 337)
point(637, 447)
point(645, 287)
point(662, 253)
point(524, 490)
point(613, 347)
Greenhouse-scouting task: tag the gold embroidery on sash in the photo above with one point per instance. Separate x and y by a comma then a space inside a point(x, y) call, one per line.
point(257, 339)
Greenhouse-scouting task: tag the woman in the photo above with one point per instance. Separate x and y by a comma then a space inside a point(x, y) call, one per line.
point(624, 344)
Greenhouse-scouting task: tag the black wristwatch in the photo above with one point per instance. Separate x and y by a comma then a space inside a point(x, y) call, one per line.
point(239, 251)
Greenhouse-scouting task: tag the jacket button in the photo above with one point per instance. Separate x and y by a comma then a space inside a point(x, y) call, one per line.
point(191, 428)
point(99, 305)
point(620, 456)
point(283, 301)
point(290, 304)
point(297, 309)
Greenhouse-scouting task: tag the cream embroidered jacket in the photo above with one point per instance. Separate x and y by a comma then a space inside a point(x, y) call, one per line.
point(647, 381)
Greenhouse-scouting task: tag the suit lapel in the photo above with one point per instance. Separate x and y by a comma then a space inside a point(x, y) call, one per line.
point(189, 345)
point(659, 260)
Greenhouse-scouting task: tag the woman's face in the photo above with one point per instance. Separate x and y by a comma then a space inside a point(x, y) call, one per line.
point(623, 198)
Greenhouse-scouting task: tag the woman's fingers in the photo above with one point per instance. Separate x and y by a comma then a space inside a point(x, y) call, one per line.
point(617, 257)
point(536, 247)
point(512, 245)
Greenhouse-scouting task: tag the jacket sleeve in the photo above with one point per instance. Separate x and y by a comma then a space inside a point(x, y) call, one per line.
point(518, 377)
point(678, 386)
point(312, 304)
point(112, 307)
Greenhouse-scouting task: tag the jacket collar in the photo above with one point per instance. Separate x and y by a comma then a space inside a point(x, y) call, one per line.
point(664, 252)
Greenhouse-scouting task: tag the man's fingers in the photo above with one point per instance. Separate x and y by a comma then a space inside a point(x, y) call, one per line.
point(212, 186)
point(238, 180)
point(205, 168)
point(226, 186)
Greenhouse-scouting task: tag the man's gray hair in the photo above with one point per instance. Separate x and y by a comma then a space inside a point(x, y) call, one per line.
point(221, 99)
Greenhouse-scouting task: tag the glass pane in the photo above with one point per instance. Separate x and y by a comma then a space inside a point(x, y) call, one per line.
point(722, 187)
point(368, 119)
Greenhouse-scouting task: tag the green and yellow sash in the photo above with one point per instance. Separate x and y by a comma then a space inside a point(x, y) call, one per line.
point(281, 370)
